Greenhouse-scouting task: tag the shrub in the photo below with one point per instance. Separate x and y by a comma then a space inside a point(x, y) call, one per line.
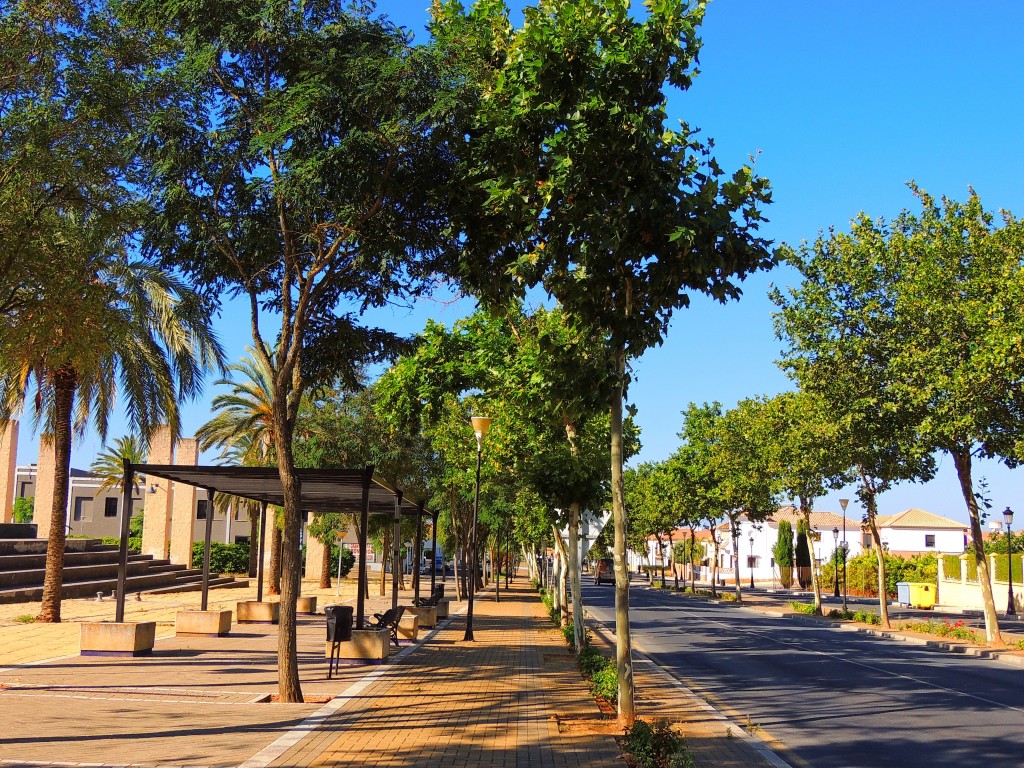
point(955, 630)
point(867, 617)
point(348, 560)
point(783, 549)
point(590, 661)
point(23, 507)
point(605, 682)
point(651, 746)
point(134, 542)
point(25, 618)
point(224, 558)
point(807, 608)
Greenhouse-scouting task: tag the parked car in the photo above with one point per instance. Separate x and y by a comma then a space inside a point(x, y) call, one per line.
point(604, 571)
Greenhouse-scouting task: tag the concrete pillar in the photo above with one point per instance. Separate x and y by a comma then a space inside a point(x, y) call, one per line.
point(183, 507)
point(156, 525)
point(315, 554)
point(46, 465)
point(8, 470)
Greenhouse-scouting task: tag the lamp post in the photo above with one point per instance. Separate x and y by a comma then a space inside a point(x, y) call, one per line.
point(480, 426)
point(846, 548)
point(835, 538)
point(751, 540)
point(1011, 609)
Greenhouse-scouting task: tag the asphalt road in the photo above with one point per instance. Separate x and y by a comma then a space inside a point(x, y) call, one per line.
point(828, 698)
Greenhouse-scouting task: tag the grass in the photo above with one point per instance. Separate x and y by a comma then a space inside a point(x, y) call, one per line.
point(25, 618)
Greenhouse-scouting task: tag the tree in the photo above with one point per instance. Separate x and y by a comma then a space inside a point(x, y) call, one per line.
point(241, 427)
point(309, 175)
point(589, 194)
point(806, 454)
point(110, 464)
point(783, 552)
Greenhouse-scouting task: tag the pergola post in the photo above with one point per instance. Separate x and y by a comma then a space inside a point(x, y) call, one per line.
point(262, 551)
point(122, 554)
point(364, 521)
point(396, 549)
point(206, 547)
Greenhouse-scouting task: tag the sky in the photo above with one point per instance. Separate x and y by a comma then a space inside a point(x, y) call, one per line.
point(842, 104)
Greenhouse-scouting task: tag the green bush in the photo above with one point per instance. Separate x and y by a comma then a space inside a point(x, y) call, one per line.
point(23, 507)
point(943, 629)
point(803, 607)
point(134, 542)
point(224, 558)
point(348, 561)
point(862, 572)
point(590, 660)
point(1002, 568)
point(867, 617)
point(783, 549)
point(651, 746)
point(605, 682)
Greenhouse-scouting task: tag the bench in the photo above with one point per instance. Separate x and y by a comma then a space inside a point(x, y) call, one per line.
point(389, 621)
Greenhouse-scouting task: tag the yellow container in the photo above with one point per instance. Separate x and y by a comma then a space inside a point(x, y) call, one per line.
point(922, 595)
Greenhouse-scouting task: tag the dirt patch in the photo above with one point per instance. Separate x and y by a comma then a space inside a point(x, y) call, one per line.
point(275, 699)
point(600, 726)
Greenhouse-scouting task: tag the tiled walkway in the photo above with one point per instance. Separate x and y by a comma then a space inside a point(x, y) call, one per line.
point(510, 698)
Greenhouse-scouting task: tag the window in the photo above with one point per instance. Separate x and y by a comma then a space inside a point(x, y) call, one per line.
point(929, 540)
point(201, 509)
point(110, 507)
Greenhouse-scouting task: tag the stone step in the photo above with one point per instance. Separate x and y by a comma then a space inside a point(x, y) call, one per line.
point(38, 546)
point(219, 582)
point(89, 557)
point(87, 573)
point(143, 582)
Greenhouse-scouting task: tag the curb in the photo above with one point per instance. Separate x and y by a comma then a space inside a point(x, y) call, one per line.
point(755, 743)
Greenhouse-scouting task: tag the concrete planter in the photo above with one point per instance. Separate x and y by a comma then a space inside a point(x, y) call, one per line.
point(408, 627)
point(426, 614)
point(442, 607)
point(367, 646)
point(110, 638)
point(202, 623)
point(305, 604)
point(252, 612)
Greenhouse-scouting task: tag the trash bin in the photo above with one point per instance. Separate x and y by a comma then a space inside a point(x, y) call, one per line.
point(339, 623)
point(915, 594)
point(439, 591)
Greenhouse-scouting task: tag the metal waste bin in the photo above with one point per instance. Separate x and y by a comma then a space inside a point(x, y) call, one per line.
point(439, 591)
point(339, 623)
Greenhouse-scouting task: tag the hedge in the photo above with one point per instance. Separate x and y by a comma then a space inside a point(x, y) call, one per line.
point(224, 558)
point(1018, 568)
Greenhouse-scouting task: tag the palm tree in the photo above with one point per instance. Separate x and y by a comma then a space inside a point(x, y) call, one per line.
point(110, 464)
point(242, 428)
point(93, 323)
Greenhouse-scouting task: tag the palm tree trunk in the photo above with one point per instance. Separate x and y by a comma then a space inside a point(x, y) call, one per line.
point(274, 571)
point(325, 568)
point(962, 462)
point(254, 533)
point(53, 581)
point(623, 641)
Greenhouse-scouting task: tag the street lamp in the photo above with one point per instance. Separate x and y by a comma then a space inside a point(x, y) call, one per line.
point(480, 426)
point(843, 503)
point(751, 540)
point(1011, 609)
point(835, 538)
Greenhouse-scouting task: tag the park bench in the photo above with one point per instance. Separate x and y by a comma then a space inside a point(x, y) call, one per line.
point(389, 621)
point(433, 600)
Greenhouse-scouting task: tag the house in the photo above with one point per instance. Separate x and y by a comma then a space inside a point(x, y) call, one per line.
point(916, 531)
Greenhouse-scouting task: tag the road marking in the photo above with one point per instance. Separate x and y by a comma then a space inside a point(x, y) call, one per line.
point(838, 657)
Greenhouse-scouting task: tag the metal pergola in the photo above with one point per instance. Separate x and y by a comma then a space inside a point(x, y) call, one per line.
point(350, 491)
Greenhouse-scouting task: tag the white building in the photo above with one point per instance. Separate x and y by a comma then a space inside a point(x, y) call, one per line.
point(915, 531)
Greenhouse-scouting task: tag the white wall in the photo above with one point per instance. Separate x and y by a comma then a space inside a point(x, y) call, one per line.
point(913, 540)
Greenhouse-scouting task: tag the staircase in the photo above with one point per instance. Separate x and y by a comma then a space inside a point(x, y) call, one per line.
point(90, 567)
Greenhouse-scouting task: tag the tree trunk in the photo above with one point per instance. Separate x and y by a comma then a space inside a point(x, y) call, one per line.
point(325, 568)
point(623, 640)
point(876, 537)
point(815, 582)
point(254, 539)
point(385, 550)
point(274, 571)
point(289, 688)
point(735, 531)
point(53, 580)
point(716, 551)
point(962, 461)
point(575, 575)
point(675, 570)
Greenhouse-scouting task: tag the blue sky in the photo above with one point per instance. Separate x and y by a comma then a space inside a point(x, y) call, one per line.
point(845, 103)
